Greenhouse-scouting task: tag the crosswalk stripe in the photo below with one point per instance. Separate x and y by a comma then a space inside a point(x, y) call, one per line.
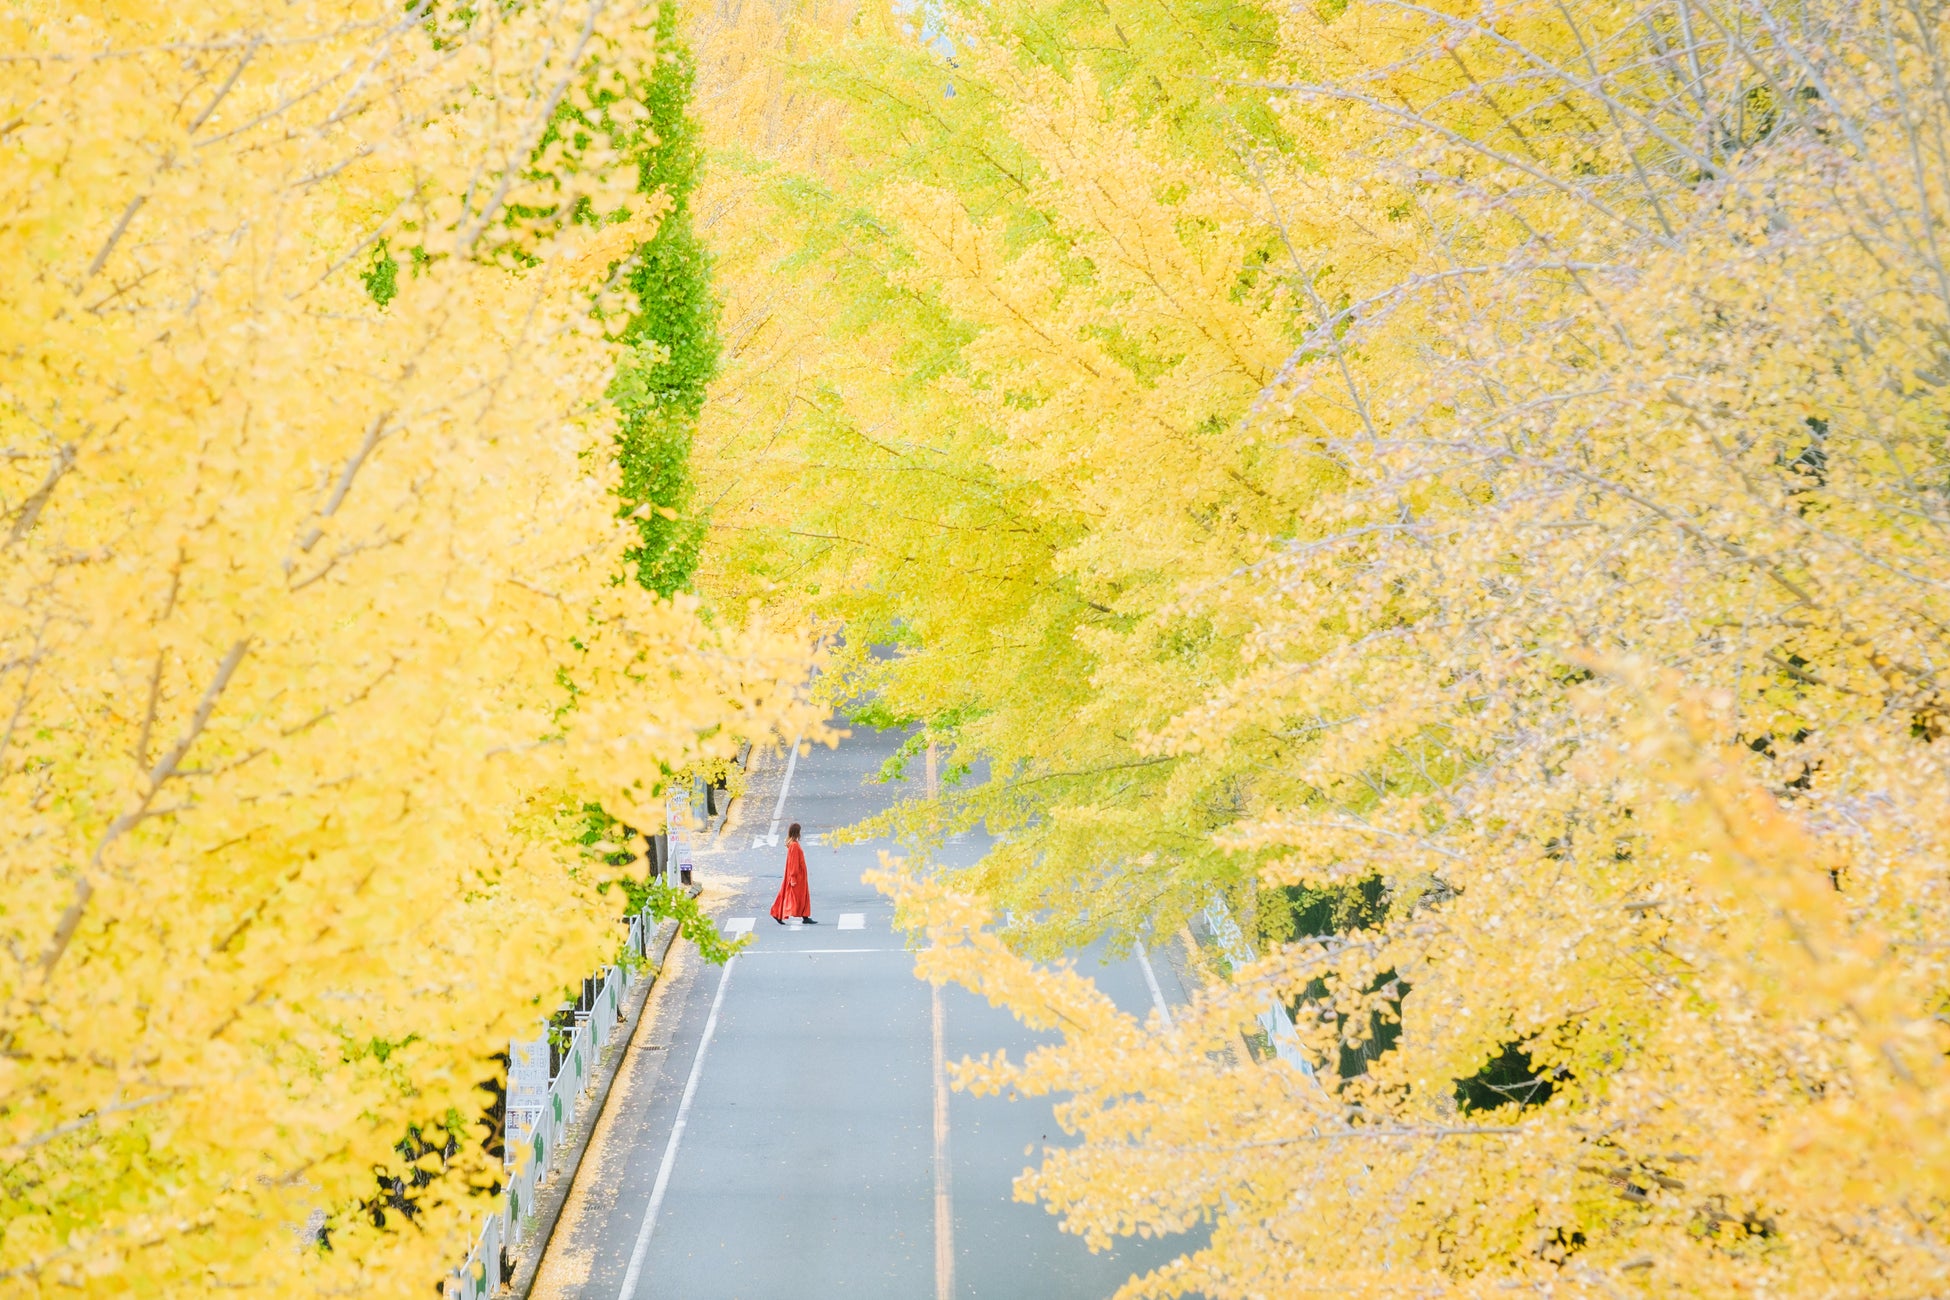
point(853, 920)
point(739, 925)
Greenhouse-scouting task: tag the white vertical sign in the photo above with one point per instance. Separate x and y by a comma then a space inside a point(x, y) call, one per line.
point(527, 1089)
point(679, 818)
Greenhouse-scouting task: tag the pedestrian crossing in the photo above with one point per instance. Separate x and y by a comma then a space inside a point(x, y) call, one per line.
point(813, 1030)
point(772, 841)
point(738, 925)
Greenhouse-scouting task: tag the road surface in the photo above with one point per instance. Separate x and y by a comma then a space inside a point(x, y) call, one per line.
point(788, 1116)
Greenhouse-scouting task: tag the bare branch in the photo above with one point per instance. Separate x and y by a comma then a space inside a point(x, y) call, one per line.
point(18, 1149)
point(29, 512)
point(572, 65)
point(158, 776)
point(149, 713)
point(351, 471)
point(114, 237)
point(236, 72)
point(26, 693)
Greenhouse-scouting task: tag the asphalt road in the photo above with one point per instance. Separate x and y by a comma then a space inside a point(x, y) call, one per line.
point(807, 1161)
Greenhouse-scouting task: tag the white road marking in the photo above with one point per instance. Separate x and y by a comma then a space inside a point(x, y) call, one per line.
point(944, 1210)
point(778, 809)
point(853, 920)
point(794, 952)
point(635, 1272)
point(1151, 978)
point(739, 925)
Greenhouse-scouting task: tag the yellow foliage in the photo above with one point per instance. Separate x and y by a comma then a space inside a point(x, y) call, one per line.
point(1489, 462)
point(306, 595)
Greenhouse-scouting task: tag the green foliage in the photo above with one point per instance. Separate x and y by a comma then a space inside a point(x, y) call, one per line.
point(673, 902)
point(875, 712)
point(381, 277)
point(1333, 909)
point(673, 337)
point(599, 827)
point(664, 901)
point(670, 335)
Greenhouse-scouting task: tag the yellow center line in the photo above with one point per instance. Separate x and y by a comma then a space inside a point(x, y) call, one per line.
point(944, 1217)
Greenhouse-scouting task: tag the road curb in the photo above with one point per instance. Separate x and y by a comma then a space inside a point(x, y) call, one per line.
point(554, 1194)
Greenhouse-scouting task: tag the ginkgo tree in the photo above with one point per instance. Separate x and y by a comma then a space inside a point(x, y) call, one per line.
point(991, 412)
point(309, 613)
point(1468, 486)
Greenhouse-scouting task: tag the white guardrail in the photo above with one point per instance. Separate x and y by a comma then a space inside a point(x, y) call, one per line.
point(1274, 1020)
point(534, 1134)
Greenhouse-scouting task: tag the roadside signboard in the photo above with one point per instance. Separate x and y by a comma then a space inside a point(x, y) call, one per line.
point(681, 848)
point(527, 1089)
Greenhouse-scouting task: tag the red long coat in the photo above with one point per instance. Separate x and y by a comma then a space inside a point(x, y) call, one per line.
point(795, 896)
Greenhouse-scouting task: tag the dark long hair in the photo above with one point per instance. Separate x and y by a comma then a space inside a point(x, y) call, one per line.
point(792, 831)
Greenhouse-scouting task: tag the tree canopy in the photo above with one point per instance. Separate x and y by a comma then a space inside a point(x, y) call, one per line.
point(659, 389)
point(1466, 485)
point(311, 651)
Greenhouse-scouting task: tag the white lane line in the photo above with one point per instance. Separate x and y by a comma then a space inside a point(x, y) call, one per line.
point(1151, 978)
point(794, 952)
point(853, 920)
point(778, 809)
point(635, 1273)
point(739, 925)
point(944, 1210)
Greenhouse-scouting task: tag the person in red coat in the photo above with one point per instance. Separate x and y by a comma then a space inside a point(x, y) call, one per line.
point(795, 895)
